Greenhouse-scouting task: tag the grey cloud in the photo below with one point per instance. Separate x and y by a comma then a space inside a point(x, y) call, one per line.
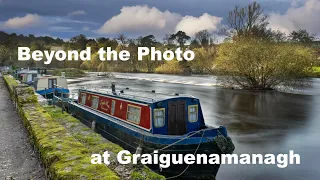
point(29, 20)
point(77, 13)
point(301, 17)
point(191, 25)
point(140, 19)
point(145, 19)
point(62, 29)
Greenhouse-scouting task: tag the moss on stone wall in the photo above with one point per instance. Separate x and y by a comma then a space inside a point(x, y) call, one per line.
point(10, 82)
point(97, 144)
point(63, 155)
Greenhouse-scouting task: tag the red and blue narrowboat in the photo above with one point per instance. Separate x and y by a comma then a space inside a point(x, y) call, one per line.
point(172, 124)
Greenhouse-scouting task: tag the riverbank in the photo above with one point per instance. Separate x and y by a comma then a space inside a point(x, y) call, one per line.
point(65, 151)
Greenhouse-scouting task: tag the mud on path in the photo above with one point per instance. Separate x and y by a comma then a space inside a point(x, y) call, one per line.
point(17, 158)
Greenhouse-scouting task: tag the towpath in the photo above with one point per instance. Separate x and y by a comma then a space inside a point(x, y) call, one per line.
point(17, 159)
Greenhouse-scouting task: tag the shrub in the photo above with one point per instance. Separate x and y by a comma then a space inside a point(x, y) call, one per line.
point(256, 64)
point(316, 72)
point(171, 67)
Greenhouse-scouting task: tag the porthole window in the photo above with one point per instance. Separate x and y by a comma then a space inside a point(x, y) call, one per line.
point(159, 117)
point(193, 113)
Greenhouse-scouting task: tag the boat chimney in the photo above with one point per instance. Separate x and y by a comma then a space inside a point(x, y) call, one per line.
point(113, 87)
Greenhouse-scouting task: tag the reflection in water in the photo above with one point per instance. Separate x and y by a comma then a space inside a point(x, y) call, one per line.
point(258, 122)
point(270, 114)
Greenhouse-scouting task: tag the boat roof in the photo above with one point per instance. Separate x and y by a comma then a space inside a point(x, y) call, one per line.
point(141, 96)
point(26, 71)
point(49, 77)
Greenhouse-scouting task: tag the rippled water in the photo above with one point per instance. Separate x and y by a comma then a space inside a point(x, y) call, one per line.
point(258, 122)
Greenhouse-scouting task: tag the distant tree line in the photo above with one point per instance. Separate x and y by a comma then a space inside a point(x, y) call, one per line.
point(252, 55)
point(9, 44)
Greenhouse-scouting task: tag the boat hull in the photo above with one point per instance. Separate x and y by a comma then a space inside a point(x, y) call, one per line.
point(130, 141)
point(48, 93)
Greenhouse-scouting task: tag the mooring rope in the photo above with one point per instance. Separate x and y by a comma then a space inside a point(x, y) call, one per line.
point(196, 132)
point(189, 164)
point(227, 141)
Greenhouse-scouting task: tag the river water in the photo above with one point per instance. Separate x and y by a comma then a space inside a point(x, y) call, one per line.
point(258, 122)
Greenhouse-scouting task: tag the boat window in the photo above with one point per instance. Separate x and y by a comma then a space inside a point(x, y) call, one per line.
point(65, 95)
point(83, 98)
point(159, 117)
point(113, 107)
point(193, 113)
point(133, 114)
point(95, 102)
point(34, 76)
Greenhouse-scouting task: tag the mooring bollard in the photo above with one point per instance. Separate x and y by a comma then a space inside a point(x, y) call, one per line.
point(93, 125)
point(139, 150)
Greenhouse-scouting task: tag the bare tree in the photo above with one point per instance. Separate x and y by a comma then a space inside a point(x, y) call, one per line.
point(122, 40)
point(248, 21)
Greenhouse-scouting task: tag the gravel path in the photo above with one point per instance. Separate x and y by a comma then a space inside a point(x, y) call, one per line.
point(17, 159)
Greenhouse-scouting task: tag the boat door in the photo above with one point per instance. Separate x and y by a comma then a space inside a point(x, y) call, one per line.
point(51, 83)
point(177, 117)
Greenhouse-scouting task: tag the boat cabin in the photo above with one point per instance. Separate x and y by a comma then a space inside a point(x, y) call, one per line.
point(27, 76)
point(153, 112)
point(48, 82)
point(49, 85)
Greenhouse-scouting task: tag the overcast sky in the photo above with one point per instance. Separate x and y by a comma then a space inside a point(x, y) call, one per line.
point(67, 18)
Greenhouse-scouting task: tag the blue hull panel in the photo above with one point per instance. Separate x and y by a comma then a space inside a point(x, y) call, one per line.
point(48, 93)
